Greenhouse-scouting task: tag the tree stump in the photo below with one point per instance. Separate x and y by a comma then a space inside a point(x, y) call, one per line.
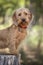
point(9, 60)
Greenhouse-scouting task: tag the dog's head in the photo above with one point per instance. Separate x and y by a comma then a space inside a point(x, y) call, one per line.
point(22, 17)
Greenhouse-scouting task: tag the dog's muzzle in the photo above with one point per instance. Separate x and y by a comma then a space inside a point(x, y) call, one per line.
point(23, 24)
point(23, 20)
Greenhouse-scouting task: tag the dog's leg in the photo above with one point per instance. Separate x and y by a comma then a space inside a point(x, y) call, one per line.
point(12, 47)
point(13, 50)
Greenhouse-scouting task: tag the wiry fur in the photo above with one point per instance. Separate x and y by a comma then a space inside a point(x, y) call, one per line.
point(12, 36)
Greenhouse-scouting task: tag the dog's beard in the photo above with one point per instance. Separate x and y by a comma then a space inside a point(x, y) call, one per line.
point(23, 25)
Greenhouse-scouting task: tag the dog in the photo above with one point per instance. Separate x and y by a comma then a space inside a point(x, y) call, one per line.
point(13, 35)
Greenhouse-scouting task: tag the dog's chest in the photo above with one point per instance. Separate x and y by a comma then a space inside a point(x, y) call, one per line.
point(21, 34)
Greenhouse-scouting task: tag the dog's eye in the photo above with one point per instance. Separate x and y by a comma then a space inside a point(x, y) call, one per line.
point(25, 13)
point(19, 14)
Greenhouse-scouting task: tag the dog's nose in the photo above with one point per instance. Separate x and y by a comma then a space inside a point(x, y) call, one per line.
point(23, 20)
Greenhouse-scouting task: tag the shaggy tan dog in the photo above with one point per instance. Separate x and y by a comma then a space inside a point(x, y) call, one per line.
point(12, 36)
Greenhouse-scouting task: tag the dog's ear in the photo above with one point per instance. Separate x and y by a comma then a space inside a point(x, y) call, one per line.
point(31, 21)
point(30, 16)
point(30, 13)
point(14, 18)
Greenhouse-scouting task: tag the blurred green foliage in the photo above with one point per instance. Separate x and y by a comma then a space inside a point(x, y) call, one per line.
point(35, 35)
point(13, 4)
